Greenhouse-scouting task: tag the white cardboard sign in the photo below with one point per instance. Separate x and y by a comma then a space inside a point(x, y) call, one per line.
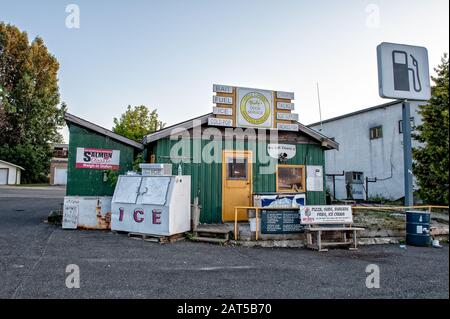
point(275, 150)
point(70, 213)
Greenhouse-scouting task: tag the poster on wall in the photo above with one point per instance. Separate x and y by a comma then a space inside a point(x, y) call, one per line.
point(96, 158)
point(314, 178)
point(254, 108)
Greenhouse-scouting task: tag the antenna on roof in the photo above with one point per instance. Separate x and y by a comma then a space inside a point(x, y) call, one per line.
point(320, 109)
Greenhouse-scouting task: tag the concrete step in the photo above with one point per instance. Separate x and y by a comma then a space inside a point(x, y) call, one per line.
point(213, 229)
point(210, 240)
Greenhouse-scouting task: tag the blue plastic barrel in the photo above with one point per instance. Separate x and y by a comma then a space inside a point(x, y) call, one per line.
point(418, 228)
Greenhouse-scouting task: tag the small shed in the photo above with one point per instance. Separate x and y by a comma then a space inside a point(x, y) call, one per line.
point(93, 151)
point(10, 173)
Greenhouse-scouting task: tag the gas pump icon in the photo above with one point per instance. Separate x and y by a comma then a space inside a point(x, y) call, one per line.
point(402, 71)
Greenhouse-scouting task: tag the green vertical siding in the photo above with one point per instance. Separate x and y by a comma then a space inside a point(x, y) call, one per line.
point(89, 182)
point(207, 178)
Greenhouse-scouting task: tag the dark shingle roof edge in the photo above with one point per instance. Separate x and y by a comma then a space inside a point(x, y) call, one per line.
point(101, 130)
point(324, 140)
point(373, 108)
point(11, 164)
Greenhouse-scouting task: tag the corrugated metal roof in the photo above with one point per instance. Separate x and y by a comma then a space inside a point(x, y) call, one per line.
point(94, 127)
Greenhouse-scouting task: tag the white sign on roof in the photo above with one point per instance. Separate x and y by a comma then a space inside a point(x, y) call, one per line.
point(403, 72)
point(285, 95)
point(212, 121)
point(222, 111)
point(222, 100)
point(287, 127)
point(285, 106)
point(287, 116)
point(222, 88)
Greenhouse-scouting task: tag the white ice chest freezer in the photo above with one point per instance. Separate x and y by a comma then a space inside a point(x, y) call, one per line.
point(154, 205)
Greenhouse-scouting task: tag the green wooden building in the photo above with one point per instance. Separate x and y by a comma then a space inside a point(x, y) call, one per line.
point(238, 173)
point(92, 180)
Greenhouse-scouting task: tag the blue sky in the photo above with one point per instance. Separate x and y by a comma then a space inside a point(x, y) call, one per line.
point(167, 54)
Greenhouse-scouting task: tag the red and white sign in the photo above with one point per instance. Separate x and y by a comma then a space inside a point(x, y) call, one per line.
point(97, 158)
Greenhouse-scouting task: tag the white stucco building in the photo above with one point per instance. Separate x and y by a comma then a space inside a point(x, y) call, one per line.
point(9, 173)
point(371, 146)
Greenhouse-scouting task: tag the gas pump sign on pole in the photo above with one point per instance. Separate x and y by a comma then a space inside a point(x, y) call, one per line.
point(403, 73)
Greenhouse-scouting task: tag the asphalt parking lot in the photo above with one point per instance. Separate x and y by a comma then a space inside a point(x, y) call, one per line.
point(34, 256)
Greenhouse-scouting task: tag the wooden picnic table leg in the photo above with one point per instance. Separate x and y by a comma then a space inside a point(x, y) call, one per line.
point(308, 239)
point(235, 223)
point(319, 239)
point(257, 224)
point(355, 241)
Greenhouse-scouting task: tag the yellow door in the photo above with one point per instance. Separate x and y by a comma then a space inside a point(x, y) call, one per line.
point(236, 183)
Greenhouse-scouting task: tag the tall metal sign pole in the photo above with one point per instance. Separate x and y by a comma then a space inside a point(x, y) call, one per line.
point(407, 153)
point(403, 73)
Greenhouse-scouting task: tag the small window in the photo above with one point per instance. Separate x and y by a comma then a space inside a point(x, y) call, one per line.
point(237, 168)
point(376, 132)
point(291, 178)
point(400, 125)
point(357, 176)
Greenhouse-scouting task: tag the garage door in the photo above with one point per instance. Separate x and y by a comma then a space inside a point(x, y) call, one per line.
point(3, 176)
point(60, 176)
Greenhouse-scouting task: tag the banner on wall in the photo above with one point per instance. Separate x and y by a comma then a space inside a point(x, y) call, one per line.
point(96, 158)
point(326, 214)
point(284, 151)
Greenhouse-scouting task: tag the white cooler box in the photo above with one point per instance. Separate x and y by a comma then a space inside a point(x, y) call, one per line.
point(154, 205)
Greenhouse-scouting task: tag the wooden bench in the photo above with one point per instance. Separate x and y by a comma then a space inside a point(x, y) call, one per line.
point(319, 225)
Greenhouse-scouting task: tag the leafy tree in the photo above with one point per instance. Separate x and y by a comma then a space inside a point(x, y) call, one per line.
point(113, 176)
point(29, 98)
point(137, 122)
point(431, 159)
